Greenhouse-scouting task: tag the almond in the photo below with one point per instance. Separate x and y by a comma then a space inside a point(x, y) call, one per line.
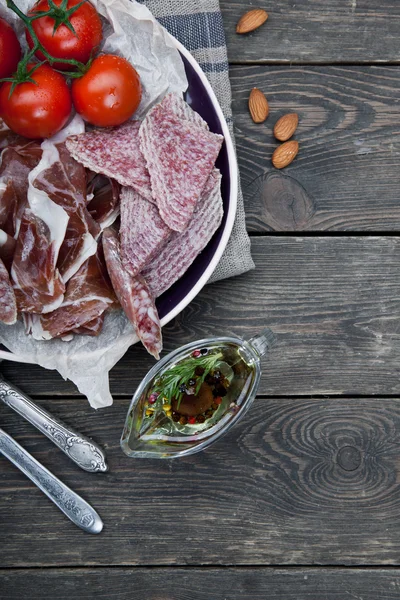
point(286, 126)
point(251, 20)
point(285, 154)
point(258, 106)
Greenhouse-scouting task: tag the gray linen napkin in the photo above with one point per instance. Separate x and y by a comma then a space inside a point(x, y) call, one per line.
point(197, 24)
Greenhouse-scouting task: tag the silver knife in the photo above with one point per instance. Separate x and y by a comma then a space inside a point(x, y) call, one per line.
point(72, 505)
point(84, 452)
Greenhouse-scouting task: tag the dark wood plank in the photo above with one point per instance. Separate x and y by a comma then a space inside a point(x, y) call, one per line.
point(334, 303)
point(201, 584)
point(345, 177)
point(316, 31)
point(298, 481)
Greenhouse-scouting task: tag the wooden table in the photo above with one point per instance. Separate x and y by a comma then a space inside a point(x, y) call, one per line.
point(302, 499)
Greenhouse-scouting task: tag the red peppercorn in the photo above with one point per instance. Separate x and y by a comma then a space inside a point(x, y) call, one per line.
point(153, 398)
point(196, 354)
point(192, 420)
point(218, 400)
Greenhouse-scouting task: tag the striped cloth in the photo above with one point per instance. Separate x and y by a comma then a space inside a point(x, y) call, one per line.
point(197, 24)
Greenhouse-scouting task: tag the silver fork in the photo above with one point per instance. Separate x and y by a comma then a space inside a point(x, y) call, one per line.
point(84, 452)
point(72, 505)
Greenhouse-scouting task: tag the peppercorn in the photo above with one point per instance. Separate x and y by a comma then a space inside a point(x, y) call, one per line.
point(183, 420)
point(199, 371)
point(210, 379)
point(201, 419)
point(217, 375)
point(182, 388)
point(175, 417)
point(192, 420)
point(218, 400)
point(204, 351)
point(196, 354)
point(191, 382)
point(209, 414)
point(167, 407)
point(219, 390)
point(214, 406)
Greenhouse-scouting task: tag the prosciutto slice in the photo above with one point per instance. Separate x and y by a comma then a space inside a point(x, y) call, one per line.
point(182, 248)
point(143, 232)
point(63, 180)
point(7, 249)
point(17, 160)
point(92, 328)
point(180, 156)
point(104, 193)
point(134, 296)
point(115, 153)
point(8, 306)
point(37, 282)
point(89, 294)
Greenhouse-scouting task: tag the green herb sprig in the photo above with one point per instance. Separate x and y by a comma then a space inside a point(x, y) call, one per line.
point(168, 385)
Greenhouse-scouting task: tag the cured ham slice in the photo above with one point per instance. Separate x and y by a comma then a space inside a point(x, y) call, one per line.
point(63, 180)
point(89, 294)
point(37, 283)
point(8, 306)
point(92, 328)
point(180, 156)
point(133, 295)
point(115, 153)
point(182, 248)
point(17, 160)
point(103, 205)
point(7, 249)
point(143, 232)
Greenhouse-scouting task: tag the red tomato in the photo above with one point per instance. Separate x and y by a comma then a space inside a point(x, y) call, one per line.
point(37, 110)
point(109, 93)
point(10, 50)
point(64, 43)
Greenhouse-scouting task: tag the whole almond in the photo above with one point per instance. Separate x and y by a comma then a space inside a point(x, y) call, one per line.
point(251, 20)
point(286, 126)
point(285, 154)
point(258, 106)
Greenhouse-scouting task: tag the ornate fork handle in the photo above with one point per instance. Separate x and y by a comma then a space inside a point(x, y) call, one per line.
point(85, 453)
point(72, 505)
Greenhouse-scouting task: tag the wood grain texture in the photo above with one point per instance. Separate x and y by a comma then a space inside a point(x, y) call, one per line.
point(201, 584)
point(345, 177)
point(333, 302)
point(298, 481)
point(316, 31)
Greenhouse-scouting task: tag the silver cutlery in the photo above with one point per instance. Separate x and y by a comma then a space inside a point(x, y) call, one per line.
point(84, 452)
point(72, 505)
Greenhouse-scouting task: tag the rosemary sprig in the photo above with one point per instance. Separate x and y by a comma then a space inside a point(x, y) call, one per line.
point(168, 385)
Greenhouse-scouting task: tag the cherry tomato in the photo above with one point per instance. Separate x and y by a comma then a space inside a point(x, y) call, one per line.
point(10, 50)
point(37, 110)
point(63, 43)
point(109, 92)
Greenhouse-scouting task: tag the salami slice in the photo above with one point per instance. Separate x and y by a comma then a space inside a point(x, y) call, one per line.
point(182, 248)
point(134, 296)
point(115, 153)
point(180, 156)
point(182, 110)
point(143, 232)
point(8, 305)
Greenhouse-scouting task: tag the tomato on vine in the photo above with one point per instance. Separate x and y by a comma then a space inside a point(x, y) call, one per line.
point(108, 93)
point(71, 30)
point(38, 107)
point(10, 50)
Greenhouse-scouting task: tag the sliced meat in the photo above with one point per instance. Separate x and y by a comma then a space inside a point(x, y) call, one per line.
point(89, 294)
point(37, 282)
point(115, 153)
point(143, 232)
point(17, 160)
point(92, 328)
point(182, 248)
point(104, 199)
point(63, 180)
point(133, 295)
point(181, 109)
point(7, 249)
point(8, 305)
point(180, 156)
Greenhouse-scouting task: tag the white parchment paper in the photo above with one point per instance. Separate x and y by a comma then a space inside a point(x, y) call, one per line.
point(130, 31)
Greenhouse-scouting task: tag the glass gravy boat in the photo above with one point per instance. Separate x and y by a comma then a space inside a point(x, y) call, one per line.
point(193, 396)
